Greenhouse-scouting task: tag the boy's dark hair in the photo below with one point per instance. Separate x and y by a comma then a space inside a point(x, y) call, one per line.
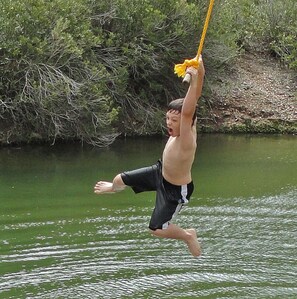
point(177, 105)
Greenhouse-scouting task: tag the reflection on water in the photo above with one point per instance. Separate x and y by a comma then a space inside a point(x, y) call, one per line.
point(58, 240)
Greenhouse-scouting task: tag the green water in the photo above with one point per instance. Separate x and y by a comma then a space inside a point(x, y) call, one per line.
point(59, 240)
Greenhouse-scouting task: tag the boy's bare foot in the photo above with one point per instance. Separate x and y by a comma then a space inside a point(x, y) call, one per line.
point(192, 242)
point(103, 187)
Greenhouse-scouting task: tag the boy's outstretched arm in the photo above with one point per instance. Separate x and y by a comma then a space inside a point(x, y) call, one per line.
point(193, 94)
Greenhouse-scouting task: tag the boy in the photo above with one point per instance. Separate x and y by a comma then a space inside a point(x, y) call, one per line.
point(170, 177)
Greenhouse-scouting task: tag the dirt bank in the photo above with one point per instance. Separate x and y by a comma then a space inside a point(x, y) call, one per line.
point(258, 96)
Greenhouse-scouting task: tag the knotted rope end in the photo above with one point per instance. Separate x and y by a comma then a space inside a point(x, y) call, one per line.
point(180, 69)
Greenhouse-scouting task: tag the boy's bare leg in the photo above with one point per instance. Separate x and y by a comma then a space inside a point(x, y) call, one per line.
point(116, 185)
point(189, 236)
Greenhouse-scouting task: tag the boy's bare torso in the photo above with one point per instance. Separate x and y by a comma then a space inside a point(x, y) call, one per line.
point(177, 161)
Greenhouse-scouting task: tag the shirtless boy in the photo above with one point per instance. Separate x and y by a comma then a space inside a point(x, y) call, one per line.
point(170, 177)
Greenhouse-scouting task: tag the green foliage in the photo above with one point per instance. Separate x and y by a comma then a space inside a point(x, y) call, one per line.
point(74, 69)
point(260, 25)
point(50, 87)
point(281, 29)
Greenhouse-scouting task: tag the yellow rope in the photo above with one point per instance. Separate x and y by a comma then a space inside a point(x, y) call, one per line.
point(180, 69)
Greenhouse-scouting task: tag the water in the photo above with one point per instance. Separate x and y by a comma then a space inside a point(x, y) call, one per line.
point(59, 240)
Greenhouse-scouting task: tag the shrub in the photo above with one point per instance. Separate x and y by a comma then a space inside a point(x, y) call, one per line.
point(50, 88)
point(260, 25)
point(72, 69)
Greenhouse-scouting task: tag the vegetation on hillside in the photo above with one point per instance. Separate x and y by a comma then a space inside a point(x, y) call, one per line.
point(89, 70)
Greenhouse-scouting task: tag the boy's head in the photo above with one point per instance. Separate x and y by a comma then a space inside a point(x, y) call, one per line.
point(173, 116)
point(177, 106)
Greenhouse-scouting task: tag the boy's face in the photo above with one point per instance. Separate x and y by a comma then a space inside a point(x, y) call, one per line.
point(173, 122)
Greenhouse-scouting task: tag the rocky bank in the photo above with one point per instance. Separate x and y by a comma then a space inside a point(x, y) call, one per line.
point(259, 95)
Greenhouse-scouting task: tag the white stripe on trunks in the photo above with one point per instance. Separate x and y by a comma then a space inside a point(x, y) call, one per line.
point(184, 193)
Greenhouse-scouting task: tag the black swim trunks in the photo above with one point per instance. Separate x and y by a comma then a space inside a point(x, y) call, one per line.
point(169, 198)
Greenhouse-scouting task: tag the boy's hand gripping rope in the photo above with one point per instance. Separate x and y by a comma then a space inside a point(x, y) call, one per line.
point(180, 69)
